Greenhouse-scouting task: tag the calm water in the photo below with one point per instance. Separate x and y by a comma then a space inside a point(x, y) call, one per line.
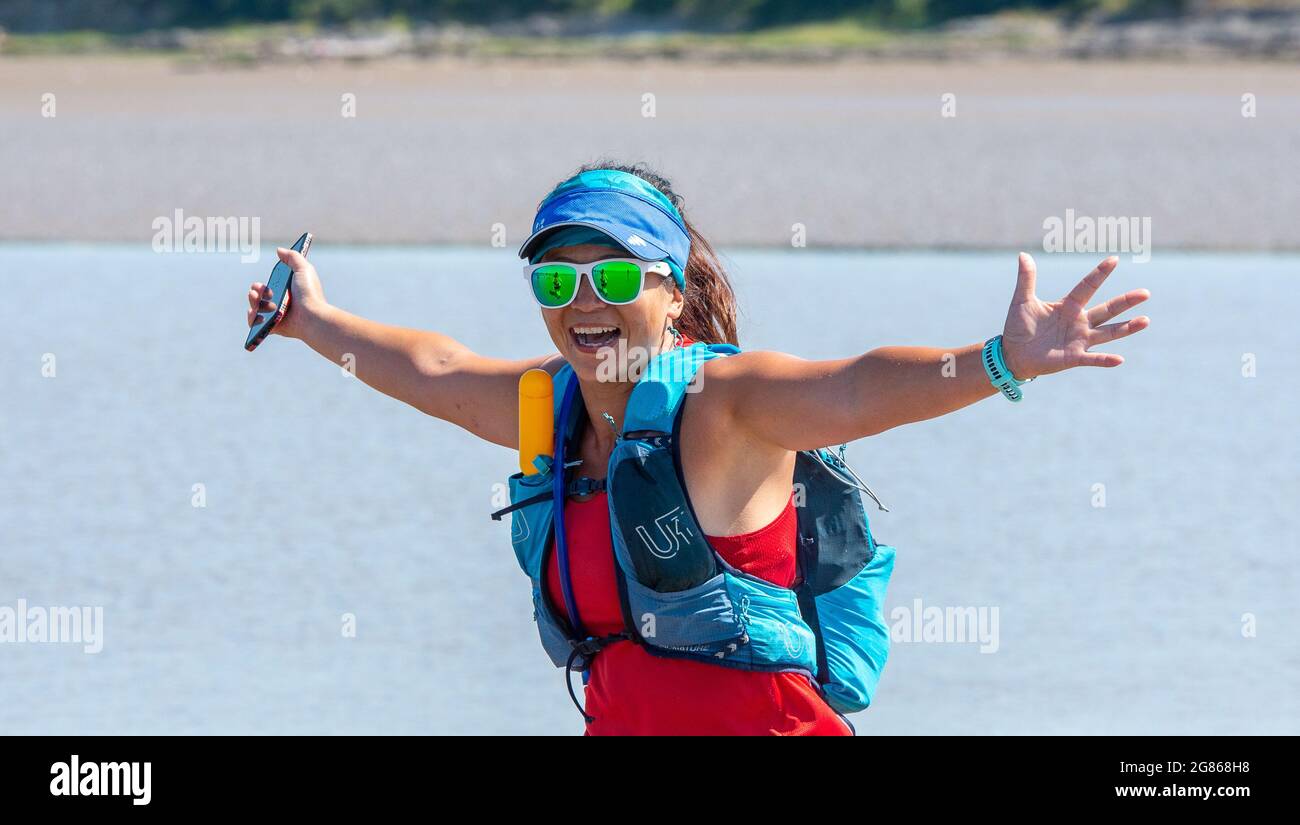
point(325, 498)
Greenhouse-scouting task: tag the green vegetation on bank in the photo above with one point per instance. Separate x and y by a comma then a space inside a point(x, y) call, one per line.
point(244, 42)
point(615, 16)
point(255, 31)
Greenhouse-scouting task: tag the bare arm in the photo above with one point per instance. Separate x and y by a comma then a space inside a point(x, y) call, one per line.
point(797, 404)
point(800, 405)
point(432, 372)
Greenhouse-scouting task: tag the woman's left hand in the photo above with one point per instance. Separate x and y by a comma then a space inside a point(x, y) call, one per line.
point(1041, 337)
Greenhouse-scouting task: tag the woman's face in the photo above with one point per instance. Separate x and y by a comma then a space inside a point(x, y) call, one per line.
point(588, 325)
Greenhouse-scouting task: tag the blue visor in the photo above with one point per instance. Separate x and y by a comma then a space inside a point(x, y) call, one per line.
point(634, 214)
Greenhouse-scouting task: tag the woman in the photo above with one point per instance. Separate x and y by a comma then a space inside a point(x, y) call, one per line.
point(617, 269)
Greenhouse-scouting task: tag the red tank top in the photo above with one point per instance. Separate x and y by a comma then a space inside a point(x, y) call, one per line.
point(632, 692)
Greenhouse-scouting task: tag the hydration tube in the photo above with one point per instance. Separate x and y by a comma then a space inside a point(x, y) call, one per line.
point(558, 490)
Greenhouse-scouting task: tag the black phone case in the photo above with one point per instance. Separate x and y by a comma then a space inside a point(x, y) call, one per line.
point(257, 334)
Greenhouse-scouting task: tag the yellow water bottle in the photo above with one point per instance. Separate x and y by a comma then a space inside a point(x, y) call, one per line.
point(536, 418)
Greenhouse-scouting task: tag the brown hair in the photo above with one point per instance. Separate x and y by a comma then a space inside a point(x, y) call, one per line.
point(710, 311)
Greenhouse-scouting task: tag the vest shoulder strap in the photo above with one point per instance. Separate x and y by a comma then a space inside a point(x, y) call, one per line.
point(659, 392)
point(560, 382)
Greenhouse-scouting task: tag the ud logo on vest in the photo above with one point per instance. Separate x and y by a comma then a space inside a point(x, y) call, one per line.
point(518, 528)
point(75, 778)
point(671, 528)
point(793, 642)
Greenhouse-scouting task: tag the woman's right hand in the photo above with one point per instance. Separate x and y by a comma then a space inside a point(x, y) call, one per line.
point(306, 297)
point(432, 372)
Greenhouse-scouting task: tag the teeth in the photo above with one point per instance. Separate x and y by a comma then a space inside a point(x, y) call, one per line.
point(594, 330)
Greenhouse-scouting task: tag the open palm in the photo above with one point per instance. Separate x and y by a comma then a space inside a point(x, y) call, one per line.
point(1042, 337)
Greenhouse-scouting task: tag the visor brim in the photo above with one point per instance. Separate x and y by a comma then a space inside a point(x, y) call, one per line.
point(646, 250)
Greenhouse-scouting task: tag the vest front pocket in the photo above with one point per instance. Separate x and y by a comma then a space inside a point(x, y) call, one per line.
point(530, 526)
point(855, 633)
point(702, 620)
point(778, 634)
point(554, 639)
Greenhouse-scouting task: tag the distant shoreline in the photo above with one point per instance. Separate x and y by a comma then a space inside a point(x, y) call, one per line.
point(1219, 34)
point(455, 151)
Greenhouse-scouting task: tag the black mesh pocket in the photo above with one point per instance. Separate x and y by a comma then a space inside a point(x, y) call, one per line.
point(659, 536)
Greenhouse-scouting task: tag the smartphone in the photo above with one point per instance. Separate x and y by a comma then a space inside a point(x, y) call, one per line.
point(280, 282)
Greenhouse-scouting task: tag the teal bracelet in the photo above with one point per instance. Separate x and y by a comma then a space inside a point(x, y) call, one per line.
point(999, 375)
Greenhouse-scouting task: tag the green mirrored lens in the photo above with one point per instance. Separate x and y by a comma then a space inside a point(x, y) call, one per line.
point(554, 284)
point(617, 282)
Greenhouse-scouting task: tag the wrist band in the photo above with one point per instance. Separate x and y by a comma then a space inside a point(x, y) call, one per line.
point(996, 368)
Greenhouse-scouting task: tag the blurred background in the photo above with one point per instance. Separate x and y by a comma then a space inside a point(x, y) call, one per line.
point(869, 171)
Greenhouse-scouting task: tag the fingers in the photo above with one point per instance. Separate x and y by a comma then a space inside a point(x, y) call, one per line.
point(1100, 359)
point(259, 301)
point(292, 258)
point(1026, 278)
point(1085, 289)
point(1120, 303)
point(258, 293)
point(1122, 329)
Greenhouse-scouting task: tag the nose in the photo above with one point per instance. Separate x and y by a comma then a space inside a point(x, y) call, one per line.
point(586, 297)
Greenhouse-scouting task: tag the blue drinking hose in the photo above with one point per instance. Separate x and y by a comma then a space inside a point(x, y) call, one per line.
point(558, 493)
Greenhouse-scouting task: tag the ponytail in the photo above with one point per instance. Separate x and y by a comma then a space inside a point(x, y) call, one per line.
point(710, 311)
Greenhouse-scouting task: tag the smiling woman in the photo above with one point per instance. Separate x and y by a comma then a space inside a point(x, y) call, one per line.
point(711, 570)
point(709, 309)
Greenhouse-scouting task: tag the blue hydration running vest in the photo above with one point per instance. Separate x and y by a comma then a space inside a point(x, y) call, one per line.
point(679, 597)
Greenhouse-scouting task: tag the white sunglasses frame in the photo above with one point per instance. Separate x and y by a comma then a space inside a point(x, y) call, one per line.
point(584, 270)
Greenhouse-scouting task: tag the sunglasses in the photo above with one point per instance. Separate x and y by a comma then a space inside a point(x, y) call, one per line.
point(615, 281)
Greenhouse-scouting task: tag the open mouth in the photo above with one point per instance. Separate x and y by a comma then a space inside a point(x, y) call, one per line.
point(590, 338)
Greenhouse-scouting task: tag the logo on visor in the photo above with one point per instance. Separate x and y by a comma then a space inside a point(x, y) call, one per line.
point(636, 240)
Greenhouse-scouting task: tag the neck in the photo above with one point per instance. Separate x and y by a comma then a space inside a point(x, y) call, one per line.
point(601, 397)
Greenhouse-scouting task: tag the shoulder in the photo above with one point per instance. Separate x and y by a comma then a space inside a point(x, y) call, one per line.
point(747, 367)
point(726, 384)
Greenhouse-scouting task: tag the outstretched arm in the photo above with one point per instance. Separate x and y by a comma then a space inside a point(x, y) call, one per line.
point(434, 373)
point(797, 404)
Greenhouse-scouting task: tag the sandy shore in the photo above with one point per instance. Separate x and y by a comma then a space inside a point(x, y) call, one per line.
point(859, 153)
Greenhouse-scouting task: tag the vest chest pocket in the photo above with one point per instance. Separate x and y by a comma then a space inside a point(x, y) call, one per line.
point(658, 543)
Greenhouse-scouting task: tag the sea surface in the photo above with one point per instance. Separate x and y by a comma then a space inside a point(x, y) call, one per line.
point(1173, 608)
